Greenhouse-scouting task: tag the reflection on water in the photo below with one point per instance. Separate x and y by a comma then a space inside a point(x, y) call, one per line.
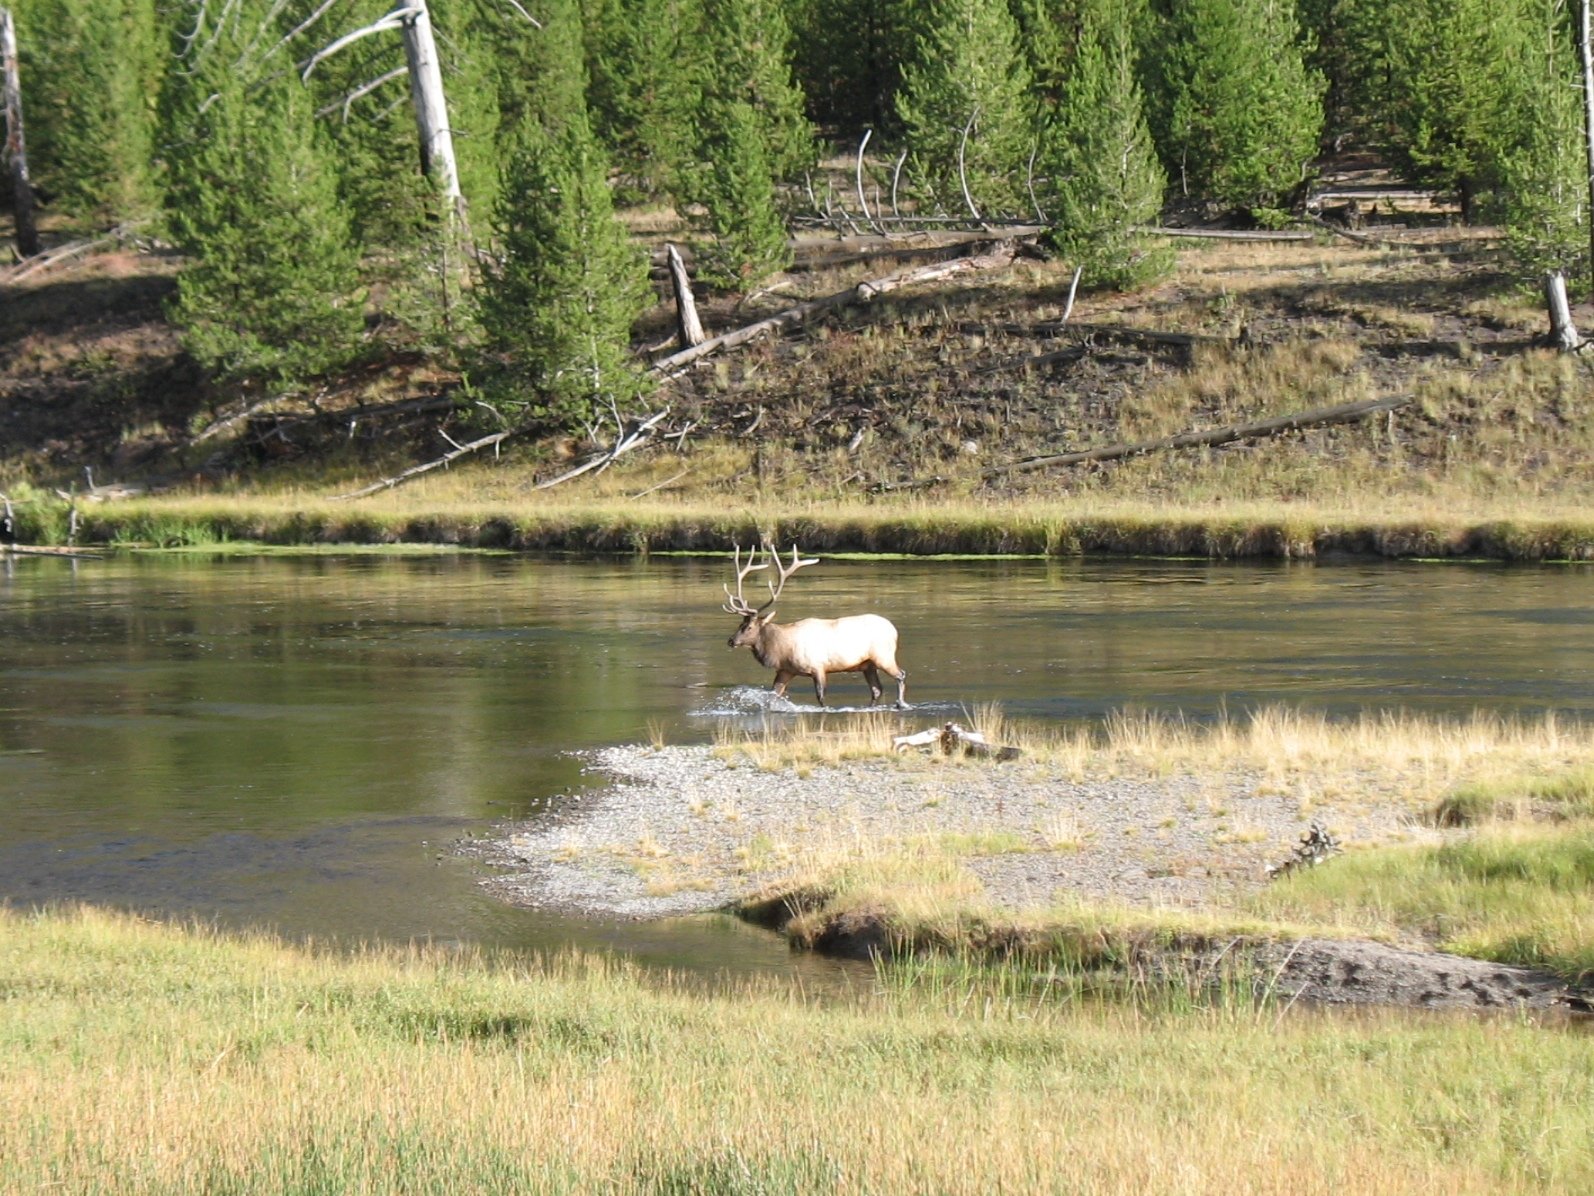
point(299, 742)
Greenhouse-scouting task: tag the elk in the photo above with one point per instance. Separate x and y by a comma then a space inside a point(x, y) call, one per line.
point(814, 648)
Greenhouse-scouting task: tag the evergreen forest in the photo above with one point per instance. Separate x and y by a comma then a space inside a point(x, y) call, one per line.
point(274, 147)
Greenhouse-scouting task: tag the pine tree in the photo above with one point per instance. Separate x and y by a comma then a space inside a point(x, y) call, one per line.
point(847, 57)
point(92, 68)
point(268, 289)
point(1236, 112)
point(1460, 77)
point(738, 191)
point(744, 57)
point(641, 92)
point(568, 285)
point(1544, 179)
point(966, 74)
point(1103, 177)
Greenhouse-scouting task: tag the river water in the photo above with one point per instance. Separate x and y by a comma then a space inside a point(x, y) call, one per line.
point(299, 742)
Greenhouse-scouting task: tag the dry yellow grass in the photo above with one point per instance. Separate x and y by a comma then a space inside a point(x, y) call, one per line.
point(1414, 759)
point(143, 1059)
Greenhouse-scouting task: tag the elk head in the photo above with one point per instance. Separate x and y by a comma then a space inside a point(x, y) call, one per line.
point(754, 620)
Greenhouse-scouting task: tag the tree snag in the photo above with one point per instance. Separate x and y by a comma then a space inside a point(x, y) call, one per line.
point(689, 329)
point(1562, 331)
point(16, 149)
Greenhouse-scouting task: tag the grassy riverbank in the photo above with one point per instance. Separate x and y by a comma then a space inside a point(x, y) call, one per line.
point(887, 428)
point(1511, 880)
point(1515, 532)
point(141, 1058)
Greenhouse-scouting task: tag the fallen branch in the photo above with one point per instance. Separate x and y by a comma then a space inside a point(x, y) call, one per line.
point(624, 442)
point(415, 471)
point(864, 292)
point(953, 739)
point(51, 258)
point(1319, 417)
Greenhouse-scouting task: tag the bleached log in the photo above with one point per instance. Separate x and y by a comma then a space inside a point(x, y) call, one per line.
point(864, 292)
point(689, 329)
point(416, 471)
point(954, 739)
point(16, 145)
point(1562, 331)
point(624, 442)
point(1228, 234)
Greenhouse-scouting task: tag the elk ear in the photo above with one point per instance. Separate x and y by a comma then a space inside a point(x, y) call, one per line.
point(766, 620)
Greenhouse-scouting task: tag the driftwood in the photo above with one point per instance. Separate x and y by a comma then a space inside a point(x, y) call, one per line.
point(1319, 417)
point(51, 258)
point(1316, 846)
point(1001, 255)
point(954, 740)
point(689, 329)
point(72, 554)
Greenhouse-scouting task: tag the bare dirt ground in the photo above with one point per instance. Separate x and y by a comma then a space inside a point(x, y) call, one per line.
point(680, 831)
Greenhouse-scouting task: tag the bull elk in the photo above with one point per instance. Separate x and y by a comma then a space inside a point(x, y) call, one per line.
point(814, 648)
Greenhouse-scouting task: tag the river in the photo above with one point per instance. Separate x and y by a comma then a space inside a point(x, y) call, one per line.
point(298, 742)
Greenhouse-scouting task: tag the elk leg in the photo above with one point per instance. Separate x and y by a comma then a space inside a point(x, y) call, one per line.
point(902, 687)
point(872, 676)
point(819, 686)
point(782, 680)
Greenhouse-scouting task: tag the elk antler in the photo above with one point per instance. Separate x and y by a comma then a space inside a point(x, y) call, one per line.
point(737, 604)
point(785, 571)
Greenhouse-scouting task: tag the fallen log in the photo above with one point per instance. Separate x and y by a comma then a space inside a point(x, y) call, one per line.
point(1318, 417)
point(415, 471)
point(864, 292)
point(624, 442)
point(953, 740)
point(72, 554)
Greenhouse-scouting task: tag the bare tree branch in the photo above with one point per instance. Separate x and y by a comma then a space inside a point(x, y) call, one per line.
point(392, 20)
point(363, 90)
point(963, 176)
point(302, 27)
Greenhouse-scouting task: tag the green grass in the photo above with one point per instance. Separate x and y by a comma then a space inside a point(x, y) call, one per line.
point(1517, 894)
point(141, 1058)
point(1565, 795)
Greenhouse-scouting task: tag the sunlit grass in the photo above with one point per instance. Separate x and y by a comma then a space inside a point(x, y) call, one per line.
point(144, 1059)
point(1518, 894)
point(1392, 754)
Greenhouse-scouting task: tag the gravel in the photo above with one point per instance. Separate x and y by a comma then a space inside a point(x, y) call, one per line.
point(678, 830)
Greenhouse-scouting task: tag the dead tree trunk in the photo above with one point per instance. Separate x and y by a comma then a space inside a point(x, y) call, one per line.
point(1586, 52)
point(427, 96)
point(16, 149)
point(689, 328)
point(1562, 331)
point(431, 104)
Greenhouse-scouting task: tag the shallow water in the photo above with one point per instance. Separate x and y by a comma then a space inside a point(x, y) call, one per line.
point(299, 742)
